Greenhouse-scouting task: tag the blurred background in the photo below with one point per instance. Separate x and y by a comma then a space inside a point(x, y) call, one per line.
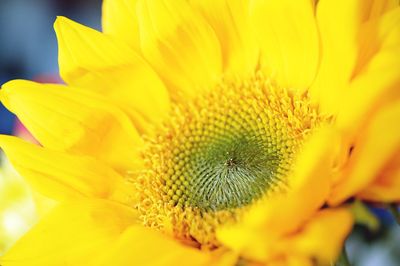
point(28, 50)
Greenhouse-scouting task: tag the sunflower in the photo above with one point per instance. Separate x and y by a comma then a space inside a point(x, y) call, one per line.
point(210, 132)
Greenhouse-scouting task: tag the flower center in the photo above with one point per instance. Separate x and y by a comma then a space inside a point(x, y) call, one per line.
point(231, 170)
point(220, 153)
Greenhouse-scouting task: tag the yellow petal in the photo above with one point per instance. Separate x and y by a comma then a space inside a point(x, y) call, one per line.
point(90, 59)
point(375, 147)
point(230, 21)
point(378, 34)
point(282, 214)
point(340, 22)
point(59, 175)
point(224, 257)
point(144, 246)
point(43, 204)
point(119, 19)
point(328, 227)
point(180, 45)
point(74, 120)
point(378, 7)
point(72, 234)
point(367, 94)
point(310, 180)
point(378, 81)
point(291, 260)
point(288, 37)
point(386, 188)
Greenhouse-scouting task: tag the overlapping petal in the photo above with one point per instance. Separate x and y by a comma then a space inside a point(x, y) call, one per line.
point(230, 21)
point(386, 187)
point(71, 234)
point(75, 121)
point(119, 19)
point(329, 226)
point(377, 145)
point(144, 246)
point(59, 175)
point(378, 80)
point(342, 46)
point(92, 60)
point(288, 37)
point(180, 45)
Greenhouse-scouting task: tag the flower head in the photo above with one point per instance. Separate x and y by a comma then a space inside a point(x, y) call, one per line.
point(210, 131)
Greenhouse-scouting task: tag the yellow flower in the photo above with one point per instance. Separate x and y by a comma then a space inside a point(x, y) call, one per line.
point(210, 132)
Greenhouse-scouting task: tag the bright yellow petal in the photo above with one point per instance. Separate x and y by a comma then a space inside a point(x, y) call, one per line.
point(224, 257)
point(144, 246)
point(386, 188)
point(378, 7)
point(230, 21)
point(375, 147)
point(43, 204)
point(90, 59)
point(378, 80)
point(329, 228)
point(340, 22)
point(72, 234)
point(291, 260)
point(180, 45)
point(74, 120)
point(274, 217)
point(378, 35)
point(119, 19)
point(289, 42)
point(59, 175)
point(367, 94)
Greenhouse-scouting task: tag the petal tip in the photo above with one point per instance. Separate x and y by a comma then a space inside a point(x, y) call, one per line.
point(6, 90)
point(58, 20)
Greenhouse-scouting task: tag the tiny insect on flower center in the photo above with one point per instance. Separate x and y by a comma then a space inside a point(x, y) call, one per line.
point(220, 153)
